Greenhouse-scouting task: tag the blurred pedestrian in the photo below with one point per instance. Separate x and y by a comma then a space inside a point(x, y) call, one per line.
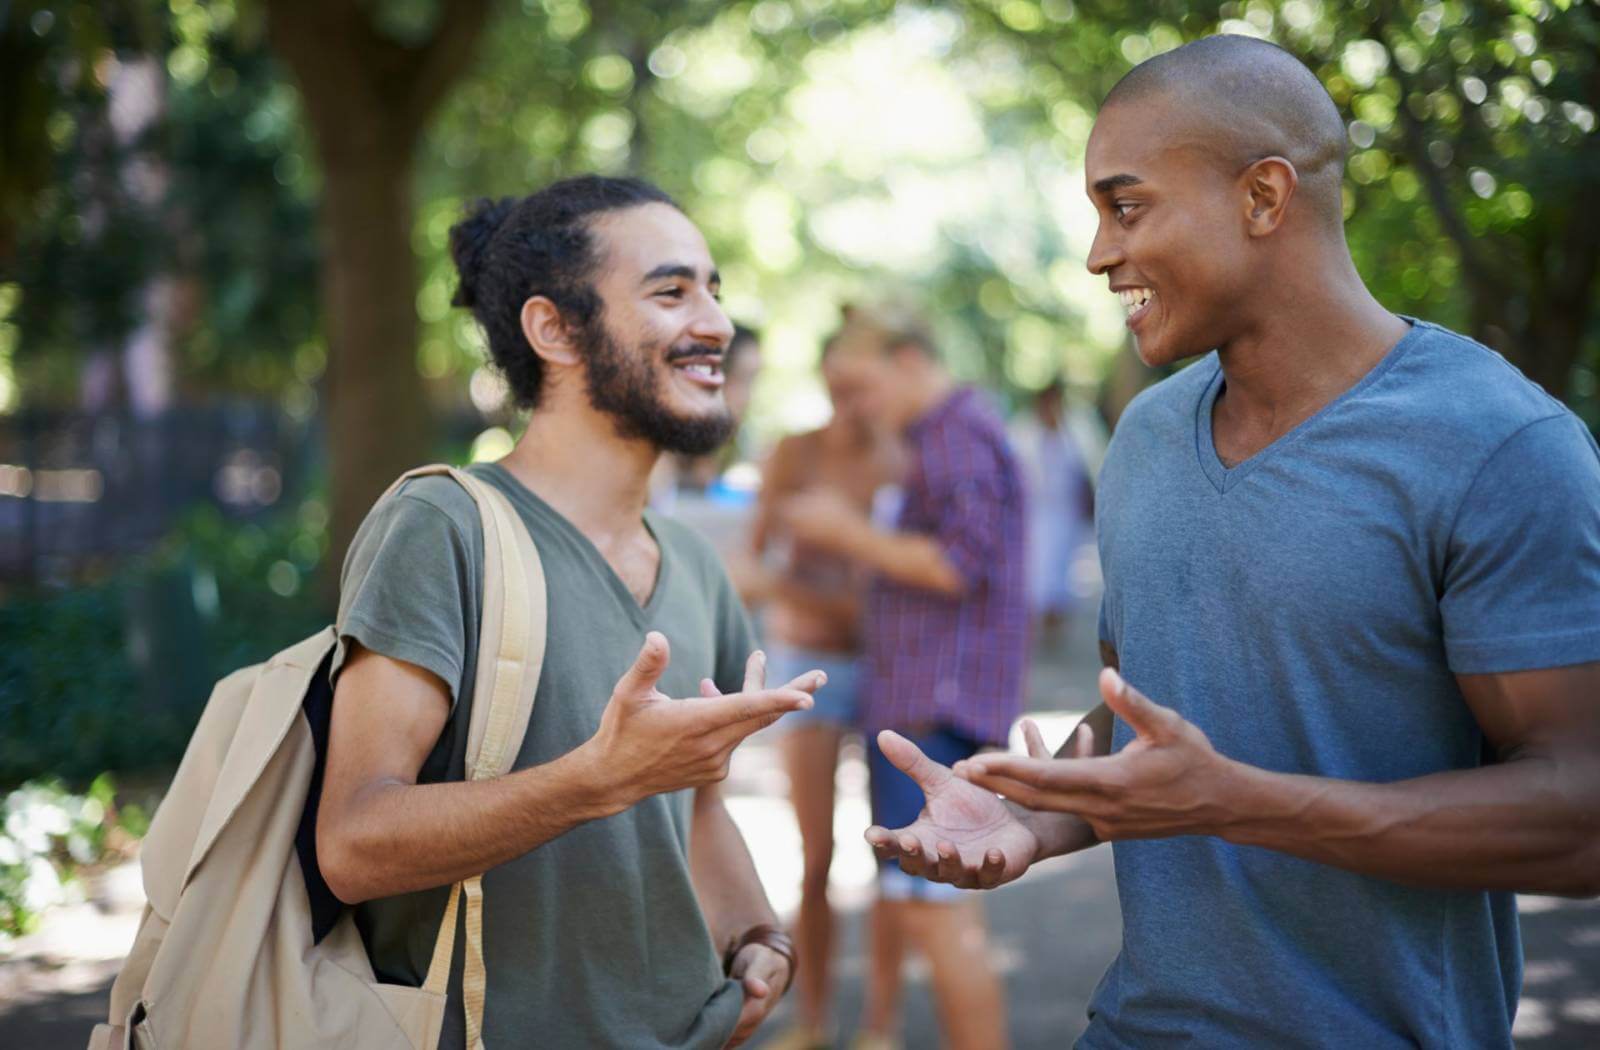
point(946, 630)
point(1059, 449)
point(812, 611)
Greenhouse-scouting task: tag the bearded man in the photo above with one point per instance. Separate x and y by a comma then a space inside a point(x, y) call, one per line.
point(623, 909)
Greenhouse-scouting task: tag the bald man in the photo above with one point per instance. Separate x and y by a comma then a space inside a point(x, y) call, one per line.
point(1352, 567)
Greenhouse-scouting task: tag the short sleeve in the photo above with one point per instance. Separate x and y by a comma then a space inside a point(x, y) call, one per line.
point(970, 492)
point(1521, 584)
point(407, 590)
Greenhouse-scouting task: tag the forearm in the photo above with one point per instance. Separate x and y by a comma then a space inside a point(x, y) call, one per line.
point(394, 838)
point(907, 558)
point(1531, 824)
point(724, 876)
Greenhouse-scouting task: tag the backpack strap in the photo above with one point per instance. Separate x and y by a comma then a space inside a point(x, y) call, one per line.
point(511, 641)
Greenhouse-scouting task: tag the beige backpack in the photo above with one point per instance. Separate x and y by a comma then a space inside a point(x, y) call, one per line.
point(224, 956)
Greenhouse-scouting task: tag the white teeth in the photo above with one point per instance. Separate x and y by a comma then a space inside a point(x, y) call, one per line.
point(700, 369)
point(1134, 299)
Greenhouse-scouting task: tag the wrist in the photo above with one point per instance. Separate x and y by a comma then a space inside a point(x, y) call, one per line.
point(1056, 833)
point(596, 793)
point(1236, 801)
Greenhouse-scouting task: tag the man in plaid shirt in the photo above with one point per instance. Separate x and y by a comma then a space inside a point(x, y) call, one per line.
point(946, 638)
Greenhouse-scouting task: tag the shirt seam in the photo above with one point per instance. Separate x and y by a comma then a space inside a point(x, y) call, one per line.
point(1477, 476)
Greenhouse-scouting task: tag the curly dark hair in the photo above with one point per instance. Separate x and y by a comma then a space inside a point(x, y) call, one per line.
point(510, 249)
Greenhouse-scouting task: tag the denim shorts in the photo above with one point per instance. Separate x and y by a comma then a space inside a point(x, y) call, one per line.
point(897, 801)
point(836, 703)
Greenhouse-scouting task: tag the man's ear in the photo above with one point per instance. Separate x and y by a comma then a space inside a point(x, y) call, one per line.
point(1269, 184)
point(548, 332)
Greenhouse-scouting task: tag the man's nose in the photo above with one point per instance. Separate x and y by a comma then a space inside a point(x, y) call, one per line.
point(711, 323)
point(1104, 253)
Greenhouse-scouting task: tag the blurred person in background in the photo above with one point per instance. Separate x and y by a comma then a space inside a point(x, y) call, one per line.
point(811, 604)
point(1059, 448)
point(946, 631)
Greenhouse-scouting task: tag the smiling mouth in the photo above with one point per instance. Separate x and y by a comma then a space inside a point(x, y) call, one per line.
point(704, 371)
point(1136, 301)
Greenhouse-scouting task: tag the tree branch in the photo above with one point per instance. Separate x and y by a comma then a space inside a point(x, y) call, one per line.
point(435, 66)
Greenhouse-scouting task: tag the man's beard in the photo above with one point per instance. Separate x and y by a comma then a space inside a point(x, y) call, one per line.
point(627, 386)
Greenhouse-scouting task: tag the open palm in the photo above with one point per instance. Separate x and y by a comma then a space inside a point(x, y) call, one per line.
point(965, 835)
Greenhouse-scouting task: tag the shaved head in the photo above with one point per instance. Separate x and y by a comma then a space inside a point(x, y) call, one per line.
point(1239, 99)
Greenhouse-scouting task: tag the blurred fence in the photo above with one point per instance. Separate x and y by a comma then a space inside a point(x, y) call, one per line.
point(78, 490)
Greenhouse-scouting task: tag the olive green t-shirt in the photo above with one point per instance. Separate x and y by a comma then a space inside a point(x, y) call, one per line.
point(594, 938)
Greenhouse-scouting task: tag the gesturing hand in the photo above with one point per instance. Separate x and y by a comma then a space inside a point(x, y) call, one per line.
point(764, 975)
point(1167, 781)
point(964, 835)
point(649, 743)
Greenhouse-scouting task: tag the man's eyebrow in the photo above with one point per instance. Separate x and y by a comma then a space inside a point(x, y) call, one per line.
point(682, 270)
point(1116, 182)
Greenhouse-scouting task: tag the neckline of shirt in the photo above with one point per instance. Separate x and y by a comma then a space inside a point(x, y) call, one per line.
point(1222, 477)
point(642, 614)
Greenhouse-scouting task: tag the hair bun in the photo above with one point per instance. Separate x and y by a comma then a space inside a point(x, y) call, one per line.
point(469, 244)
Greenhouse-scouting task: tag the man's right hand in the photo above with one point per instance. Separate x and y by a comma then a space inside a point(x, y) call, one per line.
point(966, 835)
point(649, 743)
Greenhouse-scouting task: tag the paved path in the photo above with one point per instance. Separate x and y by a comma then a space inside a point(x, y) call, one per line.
point(1054, 931)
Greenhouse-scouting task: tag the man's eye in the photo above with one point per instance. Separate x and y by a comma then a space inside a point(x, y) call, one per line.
point(1123, 208)
point(674, 293)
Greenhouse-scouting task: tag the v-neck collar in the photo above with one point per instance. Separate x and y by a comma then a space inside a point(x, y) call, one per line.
point(1222, 477)
point(641, 614)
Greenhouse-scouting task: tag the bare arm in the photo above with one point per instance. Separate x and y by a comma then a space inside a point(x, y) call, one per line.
point(725, 880)
point(380, 833)
point(1530, 822)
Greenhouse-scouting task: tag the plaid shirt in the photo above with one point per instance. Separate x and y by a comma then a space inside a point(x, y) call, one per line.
point(959, 662)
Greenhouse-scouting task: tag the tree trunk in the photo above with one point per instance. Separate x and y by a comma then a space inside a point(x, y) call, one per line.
point(378, 423)
point(367, 98)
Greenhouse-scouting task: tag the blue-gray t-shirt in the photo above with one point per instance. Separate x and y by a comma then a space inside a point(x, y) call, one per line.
point(1309, 609)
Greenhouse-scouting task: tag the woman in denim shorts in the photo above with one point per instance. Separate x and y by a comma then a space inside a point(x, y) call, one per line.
point(811, 620)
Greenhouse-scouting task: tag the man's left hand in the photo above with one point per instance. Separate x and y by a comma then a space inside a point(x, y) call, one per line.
point(1167, 781)
point(765, 976)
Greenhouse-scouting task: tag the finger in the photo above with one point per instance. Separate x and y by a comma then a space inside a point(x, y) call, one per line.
point(755, 672)
point(809, 682)
point(639, 680)
point(708, 688)
point(911, 857)
point(993, 870)
point(755, 987)
point(1148, 718)
point(1083, 741)
point(1017, 791)
point(1089, 775)
point(714, 714)
point(882, 841)
point(1034, 739)
point(951, 866)
point(909, 759)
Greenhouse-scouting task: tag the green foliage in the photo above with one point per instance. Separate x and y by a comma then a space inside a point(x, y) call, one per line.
point(113, 675)
point(211, 190)
point(47, 835)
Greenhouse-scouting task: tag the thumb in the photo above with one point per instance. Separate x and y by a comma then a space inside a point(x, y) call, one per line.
point(1034, 739)
point(1149, 719)
point(639, 680)
point(909, 759)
